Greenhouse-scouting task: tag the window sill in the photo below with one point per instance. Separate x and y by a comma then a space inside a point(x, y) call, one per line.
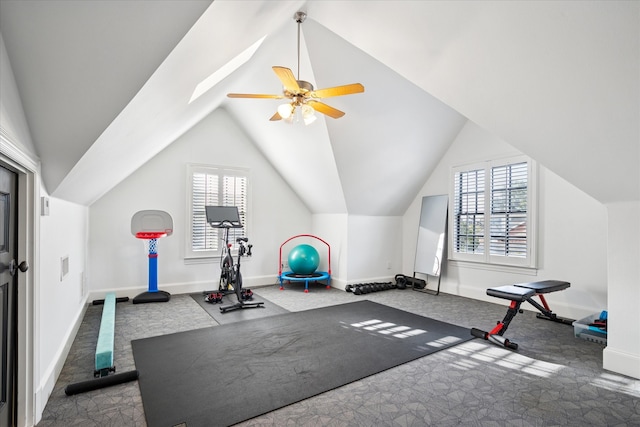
point(208, 259)
point(528, 271)
point(201, 259)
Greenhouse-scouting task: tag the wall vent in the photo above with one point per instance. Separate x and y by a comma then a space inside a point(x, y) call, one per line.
point(64, 267)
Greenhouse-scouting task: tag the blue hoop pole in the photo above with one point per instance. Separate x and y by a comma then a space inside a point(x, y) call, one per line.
point(153, 265)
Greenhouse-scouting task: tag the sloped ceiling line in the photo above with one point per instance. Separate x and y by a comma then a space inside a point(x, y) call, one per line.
point(490, 61)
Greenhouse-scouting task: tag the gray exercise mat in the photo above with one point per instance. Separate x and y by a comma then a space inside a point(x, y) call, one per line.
point(269, 309)
point(222, 375)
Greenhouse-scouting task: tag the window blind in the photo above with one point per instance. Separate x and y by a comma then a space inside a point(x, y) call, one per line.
point(508, 228)
point(469, 211)
point(215, 187)
point(491, 212)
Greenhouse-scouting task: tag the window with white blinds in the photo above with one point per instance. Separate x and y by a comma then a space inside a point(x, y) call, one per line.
point(508, 229)
point(468, 205)
point(213, 186)
point(493, 213)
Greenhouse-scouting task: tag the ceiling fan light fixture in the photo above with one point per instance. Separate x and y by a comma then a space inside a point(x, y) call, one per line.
point(308, 114)
point(304, 99)
point(285, 110)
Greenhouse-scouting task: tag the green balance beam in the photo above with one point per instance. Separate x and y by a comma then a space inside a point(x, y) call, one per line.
point(104, 348)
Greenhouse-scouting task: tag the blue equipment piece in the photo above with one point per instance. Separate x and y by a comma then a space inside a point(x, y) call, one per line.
point(294, 263)
point(304, 259)
point(104, 347)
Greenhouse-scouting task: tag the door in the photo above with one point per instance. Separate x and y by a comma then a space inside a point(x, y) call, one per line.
point(8, 299)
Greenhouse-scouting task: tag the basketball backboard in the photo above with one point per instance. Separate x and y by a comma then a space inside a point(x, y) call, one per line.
point(151, 224)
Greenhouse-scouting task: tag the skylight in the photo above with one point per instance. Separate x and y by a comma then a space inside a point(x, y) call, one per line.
point(218, 75)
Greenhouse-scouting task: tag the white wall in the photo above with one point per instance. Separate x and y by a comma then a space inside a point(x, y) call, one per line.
point(118, 261)
point(623, 336)
point(375, 248)
point(332, 228)
point(572, 235)
point(60, 301)
point(363, 248)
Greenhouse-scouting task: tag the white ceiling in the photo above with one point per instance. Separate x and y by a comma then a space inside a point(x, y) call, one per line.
point(106, 85)
point(78, 65)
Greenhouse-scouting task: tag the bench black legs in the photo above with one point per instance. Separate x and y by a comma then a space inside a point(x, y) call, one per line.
point(495, 339)
point(495, 335)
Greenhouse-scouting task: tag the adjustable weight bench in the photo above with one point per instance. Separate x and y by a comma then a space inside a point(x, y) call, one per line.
point(518, 294)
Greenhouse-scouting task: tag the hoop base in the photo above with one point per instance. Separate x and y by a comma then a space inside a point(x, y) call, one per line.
point(157, 296)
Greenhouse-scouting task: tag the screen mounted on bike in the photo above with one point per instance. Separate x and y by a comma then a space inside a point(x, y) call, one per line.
point(223, 216)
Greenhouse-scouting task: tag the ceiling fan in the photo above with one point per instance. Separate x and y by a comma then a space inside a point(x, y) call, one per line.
point(304, 99)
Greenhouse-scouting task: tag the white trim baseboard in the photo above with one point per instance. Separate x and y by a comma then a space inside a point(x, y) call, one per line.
point(621, 362)
point(49, 379)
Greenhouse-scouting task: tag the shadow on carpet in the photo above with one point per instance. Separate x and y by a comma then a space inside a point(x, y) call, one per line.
point(223, 375)
point(269, 309)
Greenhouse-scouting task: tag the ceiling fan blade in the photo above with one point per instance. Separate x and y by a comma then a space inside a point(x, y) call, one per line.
point(254, 95)
point(325, 109)
point(287, 78)
point(337, 91)
point(275, 117)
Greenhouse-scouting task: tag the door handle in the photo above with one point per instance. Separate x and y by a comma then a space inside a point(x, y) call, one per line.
point(23, 266)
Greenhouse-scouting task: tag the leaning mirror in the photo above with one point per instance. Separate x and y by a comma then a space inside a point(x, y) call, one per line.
point(431, 236)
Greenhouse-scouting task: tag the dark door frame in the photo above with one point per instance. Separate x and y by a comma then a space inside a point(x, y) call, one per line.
point(28, 234)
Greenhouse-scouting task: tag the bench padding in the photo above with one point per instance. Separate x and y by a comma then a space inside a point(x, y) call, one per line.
point(104, 347)
point(510, 292)
point(523, 291)
point(545, 286)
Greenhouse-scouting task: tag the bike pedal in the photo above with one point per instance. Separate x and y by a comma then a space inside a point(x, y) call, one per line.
point(247, 294)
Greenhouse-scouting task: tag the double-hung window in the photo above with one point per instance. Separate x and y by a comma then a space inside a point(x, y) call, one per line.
point(214, 186)
point(493, 212)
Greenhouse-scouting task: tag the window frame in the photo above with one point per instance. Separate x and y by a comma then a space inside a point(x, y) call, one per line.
point(221, 171)
point(487, 258)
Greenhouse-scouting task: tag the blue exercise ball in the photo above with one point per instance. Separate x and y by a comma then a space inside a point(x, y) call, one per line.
point(304, 259)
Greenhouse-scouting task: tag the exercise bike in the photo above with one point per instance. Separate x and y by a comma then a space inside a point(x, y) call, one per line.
point(230, 274)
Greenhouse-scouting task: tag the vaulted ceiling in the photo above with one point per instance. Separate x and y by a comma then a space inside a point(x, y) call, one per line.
point(106, 85)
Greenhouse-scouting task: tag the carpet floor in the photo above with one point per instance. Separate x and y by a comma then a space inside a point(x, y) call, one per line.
point(554, 379)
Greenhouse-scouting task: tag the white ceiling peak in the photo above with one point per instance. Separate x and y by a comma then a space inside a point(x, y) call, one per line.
point(560, 81)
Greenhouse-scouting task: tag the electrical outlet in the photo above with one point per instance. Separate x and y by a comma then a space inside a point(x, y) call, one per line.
point(44, 206)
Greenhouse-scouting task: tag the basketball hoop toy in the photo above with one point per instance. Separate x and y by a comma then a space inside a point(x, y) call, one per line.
point(152, 225)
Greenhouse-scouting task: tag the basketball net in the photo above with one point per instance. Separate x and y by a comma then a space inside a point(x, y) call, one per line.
point(150, 246)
